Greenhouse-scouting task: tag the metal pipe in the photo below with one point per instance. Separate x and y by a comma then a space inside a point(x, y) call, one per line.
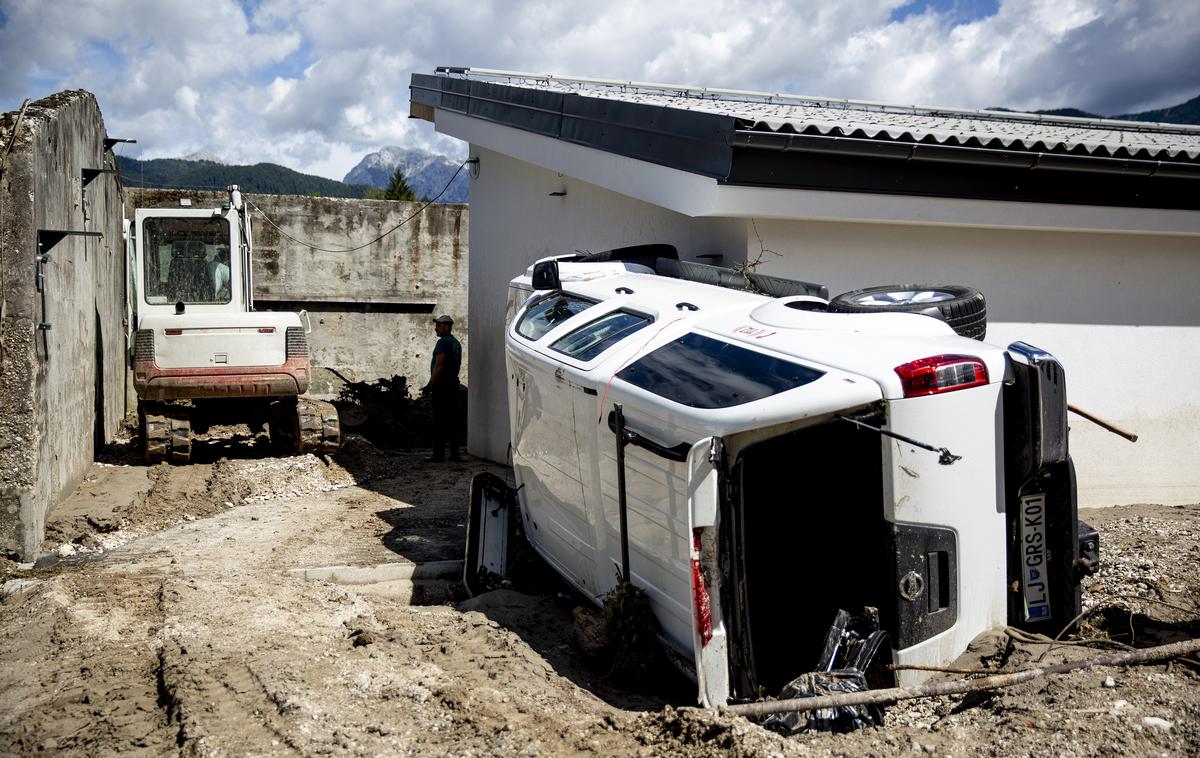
point(621, 504)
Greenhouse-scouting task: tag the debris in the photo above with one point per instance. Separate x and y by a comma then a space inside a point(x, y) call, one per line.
point(631, 630)
point(855, 650)
point(1154, 722)
point(66, 550)
point(894, 694)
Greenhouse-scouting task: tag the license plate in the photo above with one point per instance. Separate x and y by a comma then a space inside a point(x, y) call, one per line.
point(1034, 577)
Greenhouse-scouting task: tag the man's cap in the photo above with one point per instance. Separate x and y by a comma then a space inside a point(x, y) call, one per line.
point(443, 320)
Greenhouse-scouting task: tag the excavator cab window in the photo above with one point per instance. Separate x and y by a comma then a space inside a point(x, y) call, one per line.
point(187, 260)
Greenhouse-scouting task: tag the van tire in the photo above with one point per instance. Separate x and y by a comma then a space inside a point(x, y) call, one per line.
point(962, 308)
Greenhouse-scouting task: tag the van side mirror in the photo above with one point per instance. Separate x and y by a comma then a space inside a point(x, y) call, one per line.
point(545, 276)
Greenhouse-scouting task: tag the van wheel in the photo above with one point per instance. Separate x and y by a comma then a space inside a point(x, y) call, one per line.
point(962, 307)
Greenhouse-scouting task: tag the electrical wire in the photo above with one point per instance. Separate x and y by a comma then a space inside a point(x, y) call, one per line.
point(416, 213)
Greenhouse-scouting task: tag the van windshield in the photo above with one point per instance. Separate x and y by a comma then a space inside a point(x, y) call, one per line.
point(546, 314)
point(702, 372)
point(187, 259)
point(594, 337)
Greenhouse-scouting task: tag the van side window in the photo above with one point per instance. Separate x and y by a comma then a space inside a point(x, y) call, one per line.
point(594, 337)
point(546, 314)
point(702, 372)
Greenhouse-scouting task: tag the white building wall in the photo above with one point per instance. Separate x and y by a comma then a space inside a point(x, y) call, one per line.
point(1119, 310)
point(515, 221)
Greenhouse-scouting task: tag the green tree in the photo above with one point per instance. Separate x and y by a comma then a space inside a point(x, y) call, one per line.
point(398, 188)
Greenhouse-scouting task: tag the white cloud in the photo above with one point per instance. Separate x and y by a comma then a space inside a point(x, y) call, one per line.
point(315, 84)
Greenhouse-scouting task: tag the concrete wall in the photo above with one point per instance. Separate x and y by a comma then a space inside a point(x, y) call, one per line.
point(371, 309)
point(61, 390)
point(515, 221)
point(1119, 310)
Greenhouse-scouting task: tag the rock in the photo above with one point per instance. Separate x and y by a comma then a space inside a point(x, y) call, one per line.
point(1110, 682)
point(362, 637)
point(66, 550)
point(1154, 722)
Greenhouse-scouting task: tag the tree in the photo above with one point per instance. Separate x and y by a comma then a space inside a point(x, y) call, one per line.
point(398, 188)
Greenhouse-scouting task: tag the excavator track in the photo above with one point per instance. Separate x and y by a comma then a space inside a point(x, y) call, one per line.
point(166, 438)
point(308, 426)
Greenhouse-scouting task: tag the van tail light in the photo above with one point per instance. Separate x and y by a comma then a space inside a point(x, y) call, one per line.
point(941, 373)
point(700, 599)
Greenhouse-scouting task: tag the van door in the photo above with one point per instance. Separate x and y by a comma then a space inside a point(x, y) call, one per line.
point(704, 464)
point(547, 462)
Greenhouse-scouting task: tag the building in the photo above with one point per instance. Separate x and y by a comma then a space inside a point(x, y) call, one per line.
point(1084, 235)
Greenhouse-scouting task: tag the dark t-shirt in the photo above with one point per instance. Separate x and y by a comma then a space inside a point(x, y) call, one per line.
point(453, 351)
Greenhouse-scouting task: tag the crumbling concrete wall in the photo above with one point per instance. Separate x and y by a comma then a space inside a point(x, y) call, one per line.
point(371, 307)
point(62, 387)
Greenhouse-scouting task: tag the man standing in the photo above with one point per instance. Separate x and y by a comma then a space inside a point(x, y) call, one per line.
point(443, 390)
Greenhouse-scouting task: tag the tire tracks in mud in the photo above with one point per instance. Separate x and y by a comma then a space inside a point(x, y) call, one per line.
point(78, 667)
point(220, 706)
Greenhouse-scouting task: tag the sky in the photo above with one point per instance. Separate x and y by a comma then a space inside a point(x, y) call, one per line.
point(317, 84)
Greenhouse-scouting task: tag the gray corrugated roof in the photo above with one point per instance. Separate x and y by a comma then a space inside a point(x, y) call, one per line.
point(880, 121)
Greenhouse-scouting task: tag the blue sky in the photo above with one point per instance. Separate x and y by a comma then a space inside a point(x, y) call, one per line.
point(317, 84)
point(952, 11)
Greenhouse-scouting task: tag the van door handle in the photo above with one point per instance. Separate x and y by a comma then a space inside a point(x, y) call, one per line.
point(679, 453)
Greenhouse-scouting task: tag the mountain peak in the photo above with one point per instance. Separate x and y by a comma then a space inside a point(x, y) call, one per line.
point(204, 155)
point(427, 173)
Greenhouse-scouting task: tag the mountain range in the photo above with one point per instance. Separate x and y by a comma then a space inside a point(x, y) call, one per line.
point(261, 178)
point(428, 174)
point(1184, 113)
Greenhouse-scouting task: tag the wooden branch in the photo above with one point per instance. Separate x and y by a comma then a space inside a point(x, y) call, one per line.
point(1103, 424)
point(941, 669)
point(895, 694)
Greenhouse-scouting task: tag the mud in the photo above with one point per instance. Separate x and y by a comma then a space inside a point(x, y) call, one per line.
point(191, 630)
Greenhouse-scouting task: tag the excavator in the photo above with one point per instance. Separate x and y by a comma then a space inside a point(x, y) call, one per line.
point(201, 354)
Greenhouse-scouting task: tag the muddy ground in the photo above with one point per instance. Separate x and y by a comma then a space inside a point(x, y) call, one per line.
point(194, 610)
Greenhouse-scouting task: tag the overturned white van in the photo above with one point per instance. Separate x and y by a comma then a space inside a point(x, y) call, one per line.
point(757, 462)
